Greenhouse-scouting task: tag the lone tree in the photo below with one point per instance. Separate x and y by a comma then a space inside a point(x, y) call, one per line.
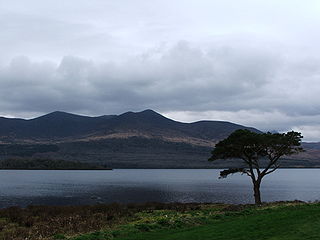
point(259, 152)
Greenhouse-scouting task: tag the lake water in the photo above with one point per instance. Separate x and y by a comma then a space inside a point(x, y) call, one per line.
point(18, 187)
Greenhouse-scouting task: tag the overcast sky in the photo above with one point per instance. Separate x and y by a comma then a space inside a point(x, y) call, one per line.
point(251, 62)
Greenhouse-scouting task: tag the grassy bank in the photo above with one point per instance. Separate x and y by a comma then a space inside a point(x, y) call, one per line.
point(293, 220)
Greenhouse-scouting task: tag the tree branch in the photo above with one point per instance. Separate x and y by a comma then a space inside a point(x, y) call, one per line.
point(272, 170)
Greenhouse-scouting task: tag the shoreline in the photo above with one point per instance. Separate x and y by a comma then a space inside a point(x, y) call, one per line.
point(148, 204)
point(109, 169)
point(57, 169)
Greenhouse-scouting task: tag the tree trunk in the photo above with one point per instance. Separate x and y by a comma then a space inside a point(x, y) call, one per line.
point(257, 195)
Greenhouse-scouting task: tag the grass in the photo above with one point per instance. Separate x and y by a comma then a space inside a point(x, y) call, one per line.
point(54, 222)
point(283, 223)
point(276, 221)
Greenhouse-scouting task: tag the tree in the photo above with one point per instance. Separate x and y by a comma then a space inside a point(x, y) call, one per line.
point(260, 153)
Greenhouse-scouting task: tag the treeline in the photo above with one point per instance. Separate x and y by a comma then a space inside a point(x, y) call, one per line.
point(46, 164)
point(26, 150)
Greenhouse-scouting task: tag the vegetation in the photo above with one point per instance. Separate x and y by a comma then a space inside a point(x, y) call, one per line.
point(251, 148)
point(26, 150)
point(277, 221)
point(48, 222)
point(45, 164)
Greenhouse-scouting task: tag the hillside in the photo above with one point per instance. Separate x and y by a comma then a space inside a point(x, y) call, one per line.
point(131, 140)
point(61, 126)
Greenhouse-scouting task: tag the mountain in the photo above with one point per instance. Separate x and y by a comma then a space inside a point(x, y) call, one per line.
point(51, 126)
point(131, 140)
point(65, 126)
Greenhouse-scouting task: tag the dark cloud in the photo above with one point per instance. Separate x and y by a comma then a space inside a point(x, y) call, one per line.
point(250, 62)
point(182, 77)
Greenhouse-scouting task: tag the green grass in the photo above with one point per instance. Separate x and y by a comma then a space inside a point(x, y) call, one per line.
point(158, 221)
point(280, 222)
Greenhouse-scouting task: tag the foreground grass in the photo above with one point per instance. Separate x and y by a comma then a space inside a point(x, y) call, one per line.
point(277, 221)
point(290, 223)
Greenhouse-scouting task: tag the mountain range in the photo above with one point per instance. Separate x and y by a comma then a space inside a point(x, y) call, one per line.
point(144, 139)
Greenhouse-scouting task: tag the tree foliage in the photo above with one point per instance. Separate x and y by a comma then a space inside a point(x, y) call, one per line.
point(253, 148)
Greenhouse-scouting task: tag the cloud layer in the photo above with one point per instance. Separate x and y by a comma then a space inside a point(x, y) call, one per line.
point(255, 62)
point(250, 86)
point(182, 77)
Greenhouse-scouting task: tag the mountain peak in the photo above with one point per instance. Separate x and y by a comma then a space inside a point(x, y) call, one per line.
point(149, 112)
point(58, 114)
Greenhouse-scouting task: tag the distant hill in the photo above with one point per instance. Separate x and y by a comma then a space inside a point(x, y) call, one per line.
point(61, 126)
point(131, 140)
point(51, 126)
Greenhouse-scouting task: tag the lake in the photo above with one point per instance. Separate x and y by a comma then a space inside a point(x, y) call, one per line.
point(22, 188)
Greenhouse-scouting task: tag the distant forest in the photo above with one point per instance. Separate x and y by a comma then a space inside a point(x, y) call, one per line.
point(26, 150)
point(46, 164)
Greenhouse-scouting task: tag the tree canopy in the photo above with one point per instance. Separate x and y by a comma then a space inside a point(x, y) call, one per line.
point(253, 148)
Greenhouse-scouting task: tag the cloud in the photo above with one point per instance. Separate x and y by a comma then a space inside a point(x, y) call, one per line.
point(182, 77)
point(251, 62)
point(311, 132)
point(261, 119)
point(247, 85)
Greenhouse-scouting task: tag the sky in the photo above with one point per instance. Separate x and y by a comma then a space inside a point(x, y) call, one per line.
point(252, 62)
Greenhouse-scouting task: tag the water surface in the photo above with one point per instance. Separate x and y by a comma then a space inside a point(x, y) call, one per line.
point(18, 187)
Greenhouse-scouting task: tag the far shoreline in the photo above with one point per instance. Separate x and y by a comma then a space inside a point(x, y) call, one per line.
point(110, 169)
point(58, 169)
